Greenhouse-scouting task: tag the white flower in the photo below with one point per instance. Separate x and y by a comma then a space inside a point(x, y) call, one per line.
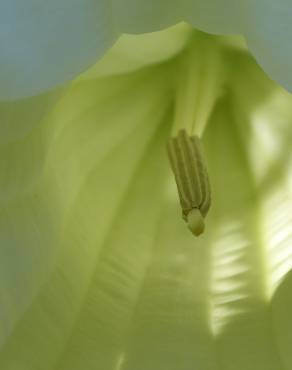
point(97, 269)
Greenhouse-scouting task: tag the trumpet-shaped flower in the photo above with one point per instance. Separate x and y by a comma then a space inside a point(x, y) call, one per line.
point(97, 270)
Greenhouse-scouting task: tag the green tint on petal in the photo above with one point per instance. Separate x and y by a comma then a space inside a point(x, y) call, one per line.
point(131, 53)
point(44, 44)
point(281, 309)
point(93, 163)
point(99, 271)
point(239, 312)
point(266, 111)
point(18, 119)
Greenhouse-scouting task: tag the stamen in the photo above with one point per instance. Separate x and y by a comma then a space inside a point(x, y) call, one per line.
point(185, 156)
point(199, 85)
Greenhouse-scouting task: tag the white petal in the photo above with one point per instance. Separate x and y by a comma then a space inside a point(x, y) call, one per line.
point(269, 32)
point(46, 43)
point(220, 16)
point(139, 16)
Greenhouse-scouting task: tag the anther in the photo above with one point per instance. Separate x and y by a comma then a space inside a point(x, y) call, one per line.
point(187, 163)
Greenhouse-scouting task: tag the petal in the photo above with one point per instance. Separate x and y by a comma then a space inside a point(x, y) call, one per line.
point(44, 44)
point(18, 119)
point(131, 53)
point(268, 32)
point(219, 17)
point(98, 271)
point(39, 264)
point(282, 305)
point(265, 24)
point(70, 37)
point(139, 16)
point(223, 16)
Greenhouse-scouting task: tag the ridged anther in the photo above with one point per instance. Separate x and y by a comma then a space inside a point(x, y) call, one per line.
point(188, 166)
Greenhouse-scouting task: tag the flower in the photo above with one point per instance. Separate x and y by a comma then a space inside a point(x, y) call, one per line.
point(44, 44)
point(98, 271)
